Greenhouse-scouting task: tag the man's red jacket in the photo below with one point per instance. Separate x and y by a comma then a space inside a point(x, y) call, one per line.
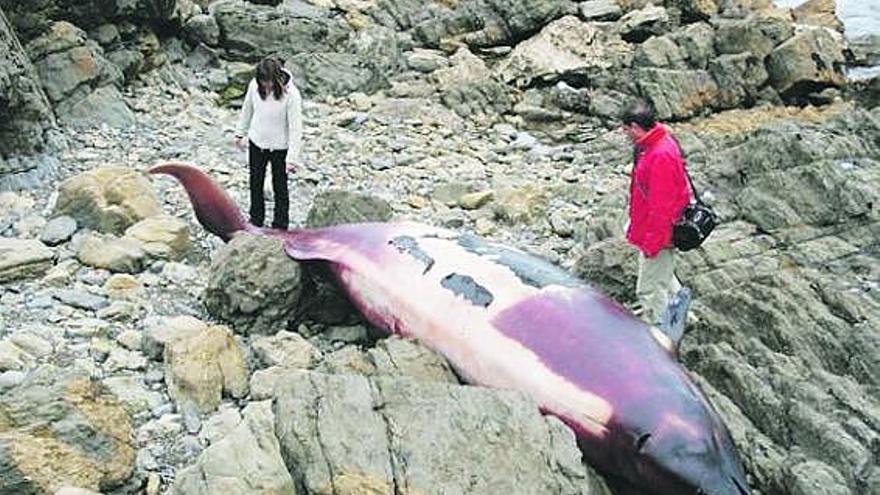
point(658, 191)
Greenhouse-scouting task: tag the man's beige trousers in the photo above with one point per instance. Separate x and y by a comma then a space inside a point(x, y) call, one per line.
point(657, 284)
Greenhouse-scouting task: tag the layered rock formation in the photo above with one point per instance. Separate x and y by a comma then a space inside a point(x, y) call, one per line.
point(249, 373)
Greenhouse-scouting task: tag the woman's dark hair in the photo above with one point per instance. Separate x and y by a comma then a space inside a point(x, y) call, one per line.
point(269, 70)
point(639, 112)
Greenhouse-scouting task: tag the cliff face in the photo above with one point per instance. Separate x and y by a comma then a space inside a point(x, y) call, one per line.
point(25, 113)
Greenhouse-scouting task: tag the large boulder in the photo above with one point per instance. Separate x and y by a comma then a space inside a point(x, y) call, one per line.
point(325, 302)
point(812, 58)
point(740, 78)
point(819, 13)
point(480, 23)
point(334, 73)
point(469, 88)
point(108, 199)
point(251, 31)
point(63, 430)
point(253, 285)
point(371, 436)
point(26, 113)
point(566, 48)
point(202, 364)
point(757, 35)
point(677, 94)
point(79, 81)
point(639, 25)
point(336, 206)
point(247, 460)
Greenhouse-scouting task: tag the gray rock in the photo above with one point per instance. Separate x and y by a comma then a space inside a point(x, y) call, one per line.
point(739, 79)
point(104, 106)
point(10, 379)
point(203, 364)
point(335, 74)
point(502, 23)
point(336, 207)
point(27, 113)
point(120, 359)
point(14, 358)
point(469, 88)
point(426, 60)
point(80, 299)
point(697, 9)
point(697, 44)
point(639, 25)
point(351, 433)
point(220, 424)
point(354, 334)
point(130, 62)
point(23, 258)
point(38, 341)
point(286, 349)
point(677, 93)
point(253, 31)
point(865, 49)
point(111, 253)
point(247, 460)
point(45, 420)
point(757, 35)
point(58, 230)
point(105, 34)
point(133, 394)
point(253, 285)
point(600, 10)
point(202, 28)
point(78, 79)
point(812, 57)
point(659, 51)
point(408, 358)
point(565, 47)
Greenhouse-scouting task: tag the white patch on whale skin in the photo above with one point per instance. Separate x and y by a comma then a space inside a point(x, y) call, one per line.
point(395, 291)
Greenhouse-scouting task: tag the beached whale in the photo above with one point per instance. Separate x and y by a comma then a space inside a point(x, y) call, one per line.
point(506, 319)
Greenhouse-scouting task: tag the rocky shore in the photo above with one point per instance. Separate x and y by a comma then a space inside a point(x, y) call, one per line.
point(140, 355)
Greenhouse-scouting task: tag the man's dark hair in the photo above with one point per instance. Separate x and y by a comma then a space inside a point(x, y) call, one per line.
point(639, 112)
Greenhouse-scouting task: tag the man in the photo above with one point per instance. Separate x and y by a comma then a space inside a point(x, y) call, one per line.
point(659, 191)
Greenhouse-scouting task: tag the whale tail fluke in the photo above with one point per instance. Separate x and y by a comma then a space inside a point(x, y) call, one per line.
point(215, 210)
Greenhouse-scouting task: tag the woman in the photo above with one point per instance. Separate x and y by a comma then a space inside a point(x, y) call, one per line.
point(271, 118)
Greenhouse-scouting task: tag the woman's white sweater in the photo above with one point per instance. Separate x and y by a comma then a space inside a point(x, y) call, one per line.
point(273, 124)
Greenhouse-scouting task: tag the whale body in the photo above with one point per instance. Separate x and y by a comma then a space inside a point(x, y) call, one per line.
point(507, 319)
